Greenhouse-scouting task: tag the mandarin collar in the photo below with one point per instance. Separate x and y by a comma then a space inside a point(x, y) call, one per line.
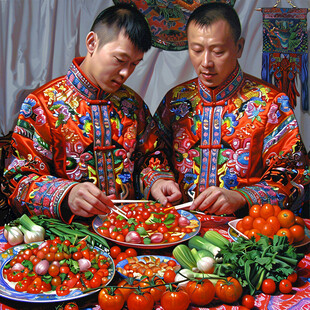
point(223, 91)
point(78, 79)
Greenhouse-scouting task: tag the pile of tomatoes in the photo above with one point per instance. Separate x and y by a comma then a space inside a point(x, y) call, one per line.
point(56, 265)
point(146, 219)
point(270, 220)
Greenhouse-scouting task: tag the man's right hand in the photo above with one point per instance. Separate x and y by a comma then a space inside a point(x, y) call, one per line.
point(87, 200)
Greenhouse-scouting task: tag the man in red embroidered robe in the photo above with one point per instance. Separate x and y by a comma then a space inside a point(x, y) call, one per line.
point(234, 139)
point(84, 138)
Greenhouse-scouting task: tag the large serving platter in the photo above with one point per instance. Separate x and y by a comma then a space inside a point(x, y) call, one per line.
point(234, 233)
point(98, 221)
point(8, 292)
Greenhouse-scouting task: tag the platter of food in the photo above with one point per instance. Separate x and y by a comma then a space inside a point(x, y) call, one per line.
point(149, 225)
point(24, 273)
point(146, 265)
point(234, 233)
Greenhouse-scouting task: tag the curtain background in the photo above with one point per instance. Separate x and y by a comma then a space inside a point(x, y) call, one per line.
point(39, 39)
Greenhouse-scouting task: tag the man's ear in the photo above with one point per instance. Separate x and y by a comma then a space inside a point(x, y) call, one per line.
point(240, 46)
point(91, 42)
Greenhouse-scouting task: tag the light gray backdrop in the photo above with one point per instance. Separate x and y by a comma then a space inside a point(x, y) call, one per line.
point(39, 38)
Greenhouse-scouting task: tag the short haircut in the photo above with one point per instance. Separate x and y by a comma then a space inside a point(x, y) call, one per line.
point(123, 17)
point(208, 13)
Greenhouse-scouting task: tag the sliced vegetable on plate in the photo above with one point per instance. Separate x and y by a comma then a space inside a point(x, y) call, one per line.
point(146, 265)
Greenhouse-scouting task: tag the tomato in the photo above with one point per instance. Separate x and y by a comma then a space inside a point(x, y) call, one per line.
point(268, 230)
point(131, 252)
point(228, 290)
point(266, 211)
point(171, 263)
point(178, 300)
point(157, 291)
point(286, 232)
point(121, 256)
point(240, 227)
point(53, 270)
point(253, 233)
point(62, 290)
point(114, 251)
point(268, 286)
point(95, 281)
point(71, 306)
point(298, 232)
point(293, 277)
point(56, 281)
point(46, 287)
point(277, 210)
point(258, 223)
point(285, 286)
point(255, 211)
point(169, 276)
point(109, 299)
point(129, 282)
point(247, 222)
point(299, 221)
point(138, 301)
point(22, 286)
point(286, 218)
point(248, 301)
point(201, 292)
point(274, 222)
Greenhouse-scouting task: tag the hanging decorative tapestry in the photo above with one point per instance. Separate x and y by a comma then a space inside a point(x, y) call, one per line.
point(285, 51)
point(167, 19)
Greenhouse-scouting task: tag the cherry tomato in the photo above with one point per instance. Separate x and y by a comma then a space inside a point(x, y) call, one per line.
point(248, 301)
point(201, 292)
point(129, 282)
point(114, 251)
point(228, 290)
point(286, 232)
point(138, 301)
point(268, 286)
point(62, 290)
point(71, 306)
point(293, 277)
point(285, 286)
point(266, 211)
point(108, 299)
point(131, 252)
point(247, 222)
point(178, 300)
point(53, 270)
point(286, 218)
point(157, 291)
point(169, 276)
point(298, 232)
point(255, 211)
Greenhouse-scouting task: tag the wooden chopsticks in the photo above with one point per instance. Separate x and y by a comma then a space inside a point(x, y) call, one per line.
point(119, 211)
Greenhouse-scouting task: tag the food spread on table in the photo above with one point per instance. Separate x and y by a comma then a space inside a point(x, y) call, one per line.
point(54, 261)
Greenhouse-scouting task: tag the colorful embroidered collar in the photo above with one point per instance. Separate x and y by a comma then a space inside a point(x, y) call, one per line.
point(76, 77)
point(225, 90)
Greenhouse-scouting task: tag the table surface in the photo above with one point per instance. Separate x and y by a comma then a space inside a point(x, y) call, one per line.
point(298, 299)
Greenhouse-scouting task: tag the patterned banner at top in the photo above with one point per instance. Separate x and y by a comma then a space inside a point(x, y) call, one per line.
point(285, 51)
point(167, 19)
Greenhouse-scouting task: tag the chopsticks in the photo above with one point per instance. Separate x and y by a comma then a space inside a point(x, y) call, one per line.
point(185, 205)
point(129, 201)
point(119, 211)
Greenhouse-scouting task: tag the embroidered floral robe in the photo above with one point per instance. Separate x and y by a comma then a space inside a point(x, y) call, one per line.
point(70, 131)
point(241, 136)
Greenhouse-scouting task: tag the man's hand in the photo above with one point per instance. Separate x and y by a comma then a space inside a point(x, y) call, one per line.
point(166, 191)
point(216, 200)
point(86, 199)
